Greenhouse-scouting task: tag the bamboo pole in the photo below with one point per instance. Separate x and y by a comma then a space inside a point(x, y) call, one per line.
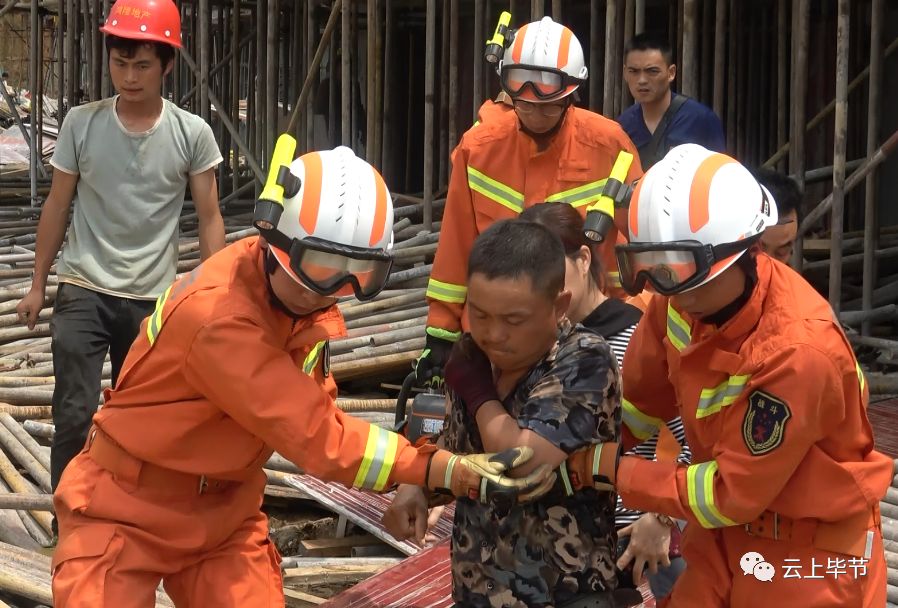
point(782, 71)
point(596, 58)
point(333, 105)
point(730, 124)
point(386, 150)
point(203, 57)
point(32, 528)
point(34, 159)
point(378, 85)
point(369, 79)
point(705, 62)
point(871, 223)
point(442, 97)
point(629, 26)
point(611, 43)
point(18, 484)
point(15, 448)
point(430, 36)
point(313, 73)
point(822, 114)
point(354, 90)
point(271, 76)
point(477, 59)
point(235, 96)
point(27, 441)
point(345, 82)
point(536, 10)
point(71, 62)
point(222, 115)
point(853, 180)
point(60, 61)
point(800, 27)
point(639, 17)
point(453, 75)
point(688, 67)
point(389, 317)
point(27, 502)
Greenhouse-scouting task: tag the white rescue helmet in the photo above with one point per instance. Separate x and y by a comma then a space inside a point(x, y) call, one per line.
point(691, 216)
point(544, 63)
point(338, 229)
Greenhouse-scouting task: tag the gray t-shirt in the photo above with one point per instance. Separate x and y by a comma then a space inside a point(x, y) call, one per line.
point(124, 234)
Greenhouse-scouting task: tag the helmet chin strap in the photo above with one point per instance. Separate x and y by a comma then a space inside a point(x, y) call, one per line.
point(271, 264)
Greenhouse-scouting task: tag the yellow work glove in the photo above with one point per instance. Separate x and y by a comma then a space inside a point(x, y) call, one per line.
point(593, 467)
point(481, 477)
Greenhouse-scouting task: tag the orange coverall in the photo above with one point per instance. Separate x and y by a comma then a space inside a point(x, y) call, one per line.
point(169, 485)
point(774, 406)
point(497, 172)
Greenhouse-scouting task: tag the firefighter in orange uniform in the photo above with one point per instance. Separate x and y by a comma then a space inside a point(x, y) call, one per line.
point(782, 498)
point(547, 150)
point(231, 365)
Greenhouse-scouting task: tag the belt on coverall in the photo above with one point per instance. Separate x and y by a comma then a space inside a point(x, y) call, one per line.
point(850, 536)
point(111, 456)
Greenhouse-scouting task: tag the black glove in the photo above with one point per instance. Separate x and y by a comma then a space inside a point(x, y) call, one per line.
point(429, 365)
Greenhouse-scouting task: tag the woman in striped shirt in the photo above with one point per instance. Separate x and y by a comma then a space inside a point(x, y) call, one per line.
point(644, 537)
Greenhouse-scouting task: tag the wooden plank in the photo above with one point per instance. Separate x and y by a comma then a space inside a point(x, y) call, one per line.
point(365, 509)
point(363, 540)
point(304, 597)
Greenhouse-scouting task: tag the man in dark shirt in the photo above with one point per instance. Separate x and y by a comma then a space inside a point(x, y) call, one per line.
point(661, 119)
point(778, 241)
point(541, 382)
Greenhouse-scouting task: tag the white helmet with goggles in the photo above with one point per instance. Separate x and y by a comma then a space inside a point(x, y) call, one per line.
point(544, 63)
point(691, 216)
point(335, 235)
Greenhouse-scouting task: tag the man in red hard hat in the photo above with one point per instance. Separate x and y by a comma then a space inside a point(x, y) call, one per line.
point(125, 162)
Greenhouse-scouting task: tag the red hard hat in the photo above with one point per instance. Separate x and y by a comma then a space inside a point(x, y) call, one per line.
point(150, 20)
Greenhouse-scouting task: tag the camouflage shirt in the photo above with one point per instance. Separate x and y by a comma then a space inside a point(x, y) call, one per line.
point(546, 552)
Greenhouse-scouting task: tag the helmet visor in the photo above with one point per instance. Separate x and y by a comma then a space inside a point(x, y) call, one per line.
point(544, 83)
point(327, 268)
point(671, 268)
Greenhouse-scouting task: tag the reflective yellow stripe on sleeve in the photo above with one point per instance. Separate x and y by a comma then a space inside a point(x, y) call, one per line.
point(579, 196)
point(378, 461)
point(678, 331)
point(311, 359)
point(712, 400)
point(495, 191)
point(700, 485)
point(613, 279)
point(860, 376)
point(446, 292)
point(154, 323)
point(641, 425)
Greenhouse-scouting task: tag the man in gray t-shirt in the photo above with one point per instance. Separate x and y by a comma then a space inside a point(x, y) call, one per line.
point(125, 163)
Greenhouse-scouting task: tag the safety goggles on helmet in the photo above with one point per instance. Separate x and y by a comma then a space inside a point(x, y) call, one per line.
point(673, 267)
point(326, 268)
point(545, 83)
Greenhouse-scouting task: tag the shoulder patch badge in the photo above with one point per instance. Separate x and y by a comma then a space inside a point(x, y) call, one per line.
point(764, 426)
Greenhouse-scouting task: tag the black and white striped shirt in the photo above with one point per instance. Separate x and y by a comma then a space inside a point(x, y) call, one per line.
point(616, 321)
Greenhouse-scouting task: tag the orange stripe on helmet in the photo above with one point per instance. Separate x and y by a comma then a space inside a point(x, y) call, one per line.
point(633, 220)
point(380, 210)
point(699, 193)
point(564, 47)
point(518, 48)
point(311, 192)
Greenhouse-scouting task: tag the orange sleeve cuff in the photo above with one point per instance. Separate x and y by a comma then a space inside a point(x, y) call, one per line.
point(646, 485)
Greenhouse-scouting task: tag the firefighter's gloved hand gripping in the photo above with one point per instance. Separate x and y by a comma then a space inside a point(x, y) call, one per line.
point(481, 477)
point(429, 366)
